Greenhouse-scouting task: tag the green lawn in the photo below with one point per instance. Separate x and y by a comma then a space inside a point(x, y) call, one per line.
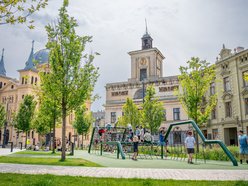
point(49, 153)
point(51, 180)
point(48, 161)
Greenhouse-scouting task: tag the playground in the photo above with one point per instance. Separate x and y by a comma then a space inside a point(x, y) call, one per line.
point(116, 143)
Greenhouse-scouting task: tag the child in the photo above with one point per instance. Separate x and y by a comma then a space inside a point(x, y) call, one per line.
point(190, 143)
point(135, 147)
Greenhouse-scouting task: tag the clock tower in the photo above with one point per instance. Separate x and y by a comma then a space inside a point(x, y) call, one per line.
point(147, 63)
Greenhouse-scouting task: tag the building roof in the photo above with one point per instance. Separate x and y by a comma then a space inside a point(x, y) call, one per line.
point(42, 56)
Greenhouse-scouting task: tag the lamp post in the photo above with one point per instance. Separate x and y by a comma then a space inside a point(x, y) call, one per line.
point(5, 124)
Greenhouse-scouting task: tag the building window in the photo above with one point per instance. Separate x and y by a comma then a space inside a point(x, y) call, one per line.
point(212, 88)
point(227, 86)
point(22, 80)
point(1, 84)
point(143, 74)
point(35, 82)
point(32, 80)
point(246, 106)
point(213, 113)
point(165, 115)
point(215, 134)
point(113, 117)
point(12, 86)
point(26, 81)
point(228, 108)
point(245, 82)
point(176, 114)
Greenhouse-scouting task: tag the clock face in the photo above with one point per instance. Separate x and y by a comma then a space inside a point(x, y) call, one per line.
point(143, 61)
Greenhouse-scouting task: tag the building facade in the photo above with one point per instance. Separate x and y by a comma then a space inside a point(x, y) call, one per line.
point(230, 113)
point(12, 93)
point(146, 69)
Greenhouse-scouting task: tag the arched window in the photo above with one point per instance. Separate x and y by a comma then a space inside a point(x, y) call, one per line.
point(1, 84)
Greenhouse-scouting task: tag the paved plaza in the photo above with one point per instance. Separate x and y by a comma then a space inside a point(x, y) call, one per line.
point(118, 168)
point(177, 174)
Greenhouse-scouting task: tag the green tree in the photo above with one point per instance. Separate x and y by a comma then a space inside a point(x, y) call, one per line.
point(131, 113)
point(2, 115)
point(18, 11)
point(25, 115)
point(72, 81)
point(49, 108)
point(153, 111)
point(195, 81)
point(83, 121)
point(246, 76)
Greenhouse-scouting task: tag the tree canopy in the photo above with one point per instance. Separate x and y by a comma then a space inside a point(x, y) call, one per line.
point(19, 11)
point(2, 115)
point(195, 81)
point(71, 82)
point(131, 114)
point(153, 111)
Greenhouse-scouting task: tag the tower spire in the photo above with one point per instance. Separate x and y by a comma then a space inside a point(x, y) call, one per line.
point(146, 27)
point(30, 64)
point(2, 68)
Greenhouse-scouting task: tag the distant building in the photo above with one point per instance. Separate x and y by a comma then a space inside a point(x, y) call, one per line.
point(146, 69)
point(13, 91)
point(99, 117)
point(230, 114)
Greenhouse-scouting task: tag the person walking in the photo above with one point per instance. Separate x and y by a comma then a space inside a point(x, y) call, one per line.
point(189, 144)
point(243, 146)
point(135, 147)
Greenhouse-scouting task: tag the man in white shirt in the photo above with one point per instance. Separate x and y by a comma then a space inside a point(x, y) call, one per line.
point(190, 144)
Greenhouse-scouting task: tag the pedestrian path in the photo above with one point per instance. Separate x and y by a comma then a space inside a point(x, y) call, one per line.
point(176, 174)
point(6, 151)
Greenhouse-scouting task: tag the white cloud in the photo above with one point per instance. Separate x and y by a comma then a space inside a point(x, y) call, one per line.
point(180, 29)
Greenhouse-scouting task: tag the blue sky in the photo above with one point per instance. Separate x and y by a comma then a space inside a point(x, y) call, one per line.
point(180, 29)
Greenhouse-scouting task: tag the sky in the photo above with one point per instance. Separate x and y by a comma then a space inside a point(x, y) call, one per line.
point(180, 29)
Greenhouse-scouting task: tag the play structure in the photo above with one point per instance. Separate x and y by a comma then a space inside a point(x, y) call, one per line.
point(115, 141)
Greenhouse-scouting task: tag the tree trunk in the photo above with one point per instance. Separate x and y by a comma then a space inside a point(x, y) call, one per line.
point(50, 136)
point(26, 139)
point(63, 130)
point(82, 141)
point(54, 129)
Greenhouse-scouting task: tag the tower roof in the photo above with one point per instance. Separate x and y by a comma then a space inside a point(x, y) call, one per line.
point(2, 68)
point(30, 62)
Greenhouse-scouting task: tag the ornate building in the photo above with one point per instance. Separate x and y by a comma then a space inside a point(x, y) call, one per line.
point(13, 91)
point(231, 112)
point(146, 69)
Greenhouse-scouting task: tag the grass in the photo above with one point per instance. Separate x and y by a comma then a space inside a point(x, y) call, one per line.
point(48, 161)
point(49, 153)
point(52, 180)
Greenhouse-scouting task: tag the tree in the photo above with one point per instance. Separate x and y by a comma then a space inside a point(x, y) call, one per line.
point(2, 115)
point(49, 106)
point(153, 111)
point(18, 11)
point(83, 121)
point(73, 82)
point(131, 113)
point(246, 76)
point(195, 81)
point(25, 115)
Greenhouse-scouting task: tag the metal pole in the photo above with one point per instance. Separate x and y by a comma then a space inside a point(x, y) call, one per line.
point(162, 152)
point(143, 86)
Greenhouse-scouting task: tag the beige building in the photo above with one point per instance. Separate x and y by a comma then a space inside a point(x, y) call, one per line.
point(231, 112)
point(146, 69)
point(12, 93)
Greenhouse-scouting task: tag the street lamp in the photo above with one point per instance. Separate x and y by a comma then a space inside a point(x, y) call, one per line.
point(5, 124)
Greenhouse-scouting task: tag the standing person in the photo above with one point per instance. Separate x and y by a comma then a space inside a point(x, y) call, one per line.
point(189, 144)
point(135, 147)
point(162, 141)
point(243, 146)
point(137, 132)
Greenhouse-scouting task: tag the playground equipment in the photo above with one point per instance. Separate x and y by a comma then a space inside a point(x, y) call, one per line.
point(116, 140)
